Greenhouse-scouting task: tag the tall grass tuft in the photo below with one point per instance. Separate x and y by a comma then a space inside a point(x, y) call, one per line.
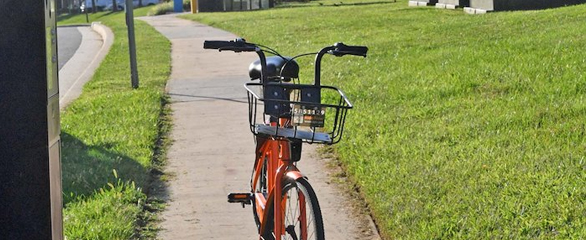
point(109, 213)
point(161, 9)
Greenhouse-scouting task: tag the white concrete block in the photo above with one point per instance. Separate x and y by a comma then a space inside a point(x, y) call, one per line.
point(470, 10)
point(480, 11)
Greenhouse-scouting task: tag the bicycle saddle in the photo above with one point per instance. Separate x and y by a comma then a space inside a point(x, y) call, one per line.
point(277, 67)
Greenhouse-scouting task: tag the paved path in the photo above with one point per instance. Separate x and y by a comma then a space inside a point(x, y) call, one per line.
point(84, 60)
point(212, 153)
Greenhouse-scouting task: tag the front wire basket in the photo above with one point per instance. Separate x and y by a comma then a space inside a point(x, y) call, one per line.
point(297, 111)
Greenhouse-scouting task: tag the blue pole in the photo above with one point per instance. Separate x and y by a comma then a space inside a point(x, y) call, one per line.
point(178, 5)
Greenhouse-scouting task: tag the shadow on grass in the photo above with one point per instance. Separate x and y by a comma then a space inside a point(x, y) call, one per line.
point(65, 16)
point(194, 98)
point(86, 169)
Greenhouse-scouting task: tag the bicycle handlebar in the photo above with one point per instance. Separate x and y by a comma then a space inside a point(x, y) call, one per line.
point(238, 45)
point(341, 49)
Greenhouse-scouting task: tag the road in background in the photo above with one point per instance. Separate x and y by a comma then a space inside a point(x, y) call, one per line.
point(68, 41)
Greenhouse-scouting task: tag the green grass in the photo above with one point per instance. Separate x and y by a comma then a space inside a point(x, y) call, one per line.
point(465, 126)
point(114, 127)
point(110, 214)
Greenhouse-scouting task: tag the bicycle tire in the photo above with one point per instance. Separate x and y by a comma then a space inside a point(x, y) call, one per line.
point(291, 190)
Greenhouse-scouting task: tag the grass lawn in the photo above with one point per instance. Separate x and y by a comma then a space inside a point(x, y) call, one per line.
point(110, 133)
point(465, 126)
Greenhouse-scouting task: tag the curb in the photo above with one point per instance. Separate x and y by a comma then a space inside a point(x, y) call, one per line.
point(106, 34)
point(85, 72)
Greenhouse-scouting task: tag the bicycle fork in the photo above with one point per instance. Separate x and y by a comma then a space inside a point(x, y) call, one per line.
point(275, 155)
point(286, 173)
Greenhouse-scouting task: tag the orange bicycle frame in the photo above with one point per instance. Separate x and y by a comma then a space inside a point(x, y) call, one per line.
point(275, 154)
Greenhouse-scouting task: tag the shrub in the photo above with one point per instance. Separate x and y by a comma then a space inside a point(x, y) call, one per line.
point(162, 8)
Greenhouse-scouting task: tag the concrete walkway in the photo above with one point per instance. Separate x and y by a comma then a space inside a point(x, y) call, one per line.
point(213, 149)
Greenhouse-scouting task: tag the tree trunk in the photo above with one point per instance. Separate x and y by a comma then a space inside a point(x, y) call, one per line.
point(94, 10)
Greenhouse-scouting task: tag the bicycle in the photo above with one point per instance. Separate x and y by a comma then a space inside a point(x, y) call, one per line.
point(283, 115)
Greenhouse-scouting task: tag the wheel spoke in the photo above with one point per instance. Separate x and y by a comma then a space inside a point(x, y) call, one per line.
point(300, 220)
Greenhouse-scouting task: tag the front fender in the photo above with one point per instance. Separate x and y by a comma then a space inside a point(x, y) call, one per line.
point(293, 176)
point(289, 177)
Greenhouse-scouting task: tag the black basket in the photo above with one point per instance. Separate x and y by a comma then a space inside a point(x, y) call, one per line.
point(308, 117)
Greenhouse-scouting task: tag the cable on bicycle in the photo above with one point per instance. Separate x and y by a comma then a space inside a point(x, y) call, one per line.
point(293, 58)
point(273, 51)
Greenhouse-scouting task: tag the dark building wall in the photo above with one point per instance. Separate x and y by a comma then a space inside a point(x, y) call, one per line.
point(233, 5)
point(533, 4)
point(504, 5)
point(211, 6)
point(461, 3)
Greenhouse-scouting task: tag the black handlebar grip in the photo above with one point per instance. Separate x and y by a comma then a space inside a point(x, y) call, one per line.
point(236, 46)
point(217, 44)
point(341, 49)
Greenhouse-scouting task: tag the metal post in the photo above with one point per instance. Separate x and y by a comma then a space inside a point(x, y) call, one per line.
point(193, 6)
point(131, 43)
point(87, 18)
point(30, 145)
point(94, 7)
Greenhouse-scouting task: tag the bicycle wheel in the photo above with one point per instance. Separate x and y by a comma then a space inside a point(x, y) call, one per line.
point(301, 213)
